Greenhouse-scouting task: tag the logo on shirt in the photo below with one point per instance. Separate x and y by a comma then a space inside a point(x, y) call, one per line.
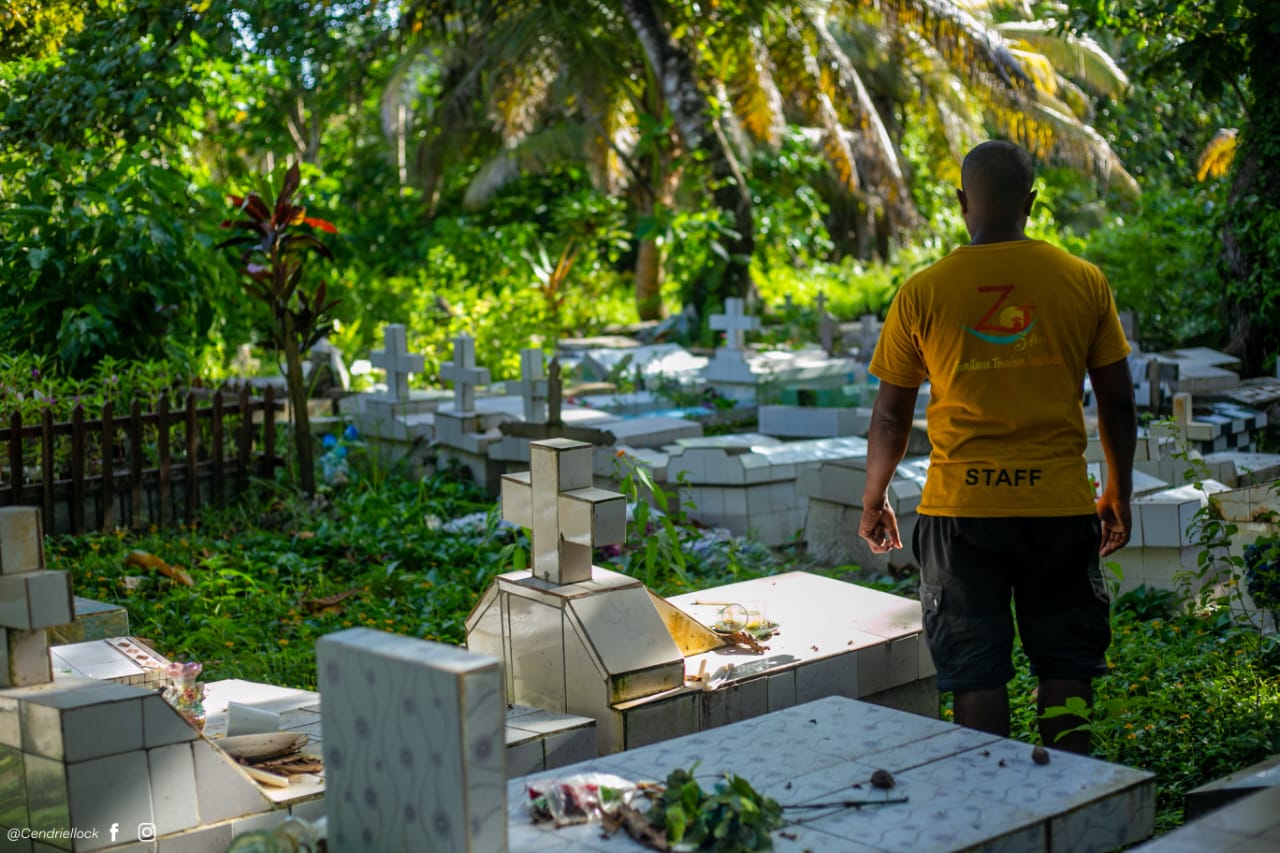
point(1003, 323)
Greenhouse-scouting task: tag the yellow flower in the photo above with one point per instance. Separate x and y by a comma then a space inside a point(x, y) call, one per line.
point(1132, 736)
point(284, 641)
point(1128, 725)
point(229, 643)
point(1184, 716)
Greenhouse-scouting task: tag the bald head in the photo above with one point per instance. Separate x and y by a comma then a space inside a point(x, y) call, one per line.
point(997, 178)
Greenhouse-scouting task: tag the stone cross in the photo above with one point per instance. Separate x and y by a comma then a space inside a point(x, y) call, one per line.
point(32, 599)
point(734, 322)
point(567, 517)
point(414, 751)
point(464, 374)
point(533, 386)
point(396, 360)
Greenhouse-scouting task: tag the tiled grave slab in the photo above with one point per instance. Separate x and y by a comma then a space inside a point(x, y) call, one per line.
point(94, 620)
point(965, 790)
point(1232, 787)
point(1250, 825)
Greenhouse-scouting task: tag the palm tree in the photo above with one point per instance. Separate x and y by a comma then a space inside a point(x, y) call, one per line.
point(643, 89)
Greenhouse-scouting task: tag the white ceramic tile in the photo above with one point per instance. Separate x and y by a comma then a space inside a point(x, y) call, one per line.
point(222, 790)
point(650, 722)
point(525, 758)
point(103, 791)
point(782, 690)
point(173, 788)
point(202, 840)
point(13, 788)
point(21, 540)
point(68, 723)
point(259, 823)
point(442, 788)
point(570, 747)
point(10, 720)
point(831, 676)
point(38, 599)
point(46, 782)
point(28, 658)
point(308, 810)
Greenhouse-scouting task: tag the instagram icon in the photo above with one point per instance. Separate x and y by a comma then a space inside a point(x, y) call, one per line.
point(146, 832)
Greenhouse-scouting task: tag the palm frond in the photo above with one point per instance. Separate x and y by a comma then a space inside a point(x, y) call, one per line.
point(1077, 57)
point(1215, 159)
point(965, 43)
point(758, 102)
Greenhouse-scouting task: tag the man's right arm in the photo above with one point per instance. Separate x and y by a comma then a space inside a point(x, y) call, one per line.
point(887, 439)
point(1117, 427)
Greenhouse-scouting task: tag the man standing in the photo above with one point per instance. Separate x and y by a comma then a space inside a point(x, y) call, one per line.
point(1004, 330)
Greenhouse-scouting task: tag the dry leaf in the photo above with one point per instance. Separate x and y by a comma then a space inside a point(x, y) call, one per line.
point(143, 560)
point(328, 603)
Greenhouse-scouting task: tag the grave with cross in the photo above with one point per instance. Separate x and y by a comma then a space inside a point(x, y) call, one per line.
point(573, 637)
point(397, 361)
point(394, 419)
point(729, 364)
point(464, 430)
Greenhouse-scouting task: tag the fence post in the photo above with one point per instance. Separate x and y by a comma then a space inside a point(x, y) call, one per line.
point(15, 457)
point(219, 496)
point(193, 482)
point(107, 505)
point(136, 512)
point(246, 439)
point(162, 451)
point(269, 434)
point(46, 466)
point(77, 470)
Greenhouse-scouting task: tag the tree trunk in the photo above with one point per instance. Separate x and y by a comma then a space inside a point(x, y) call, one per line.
point(649, 280)
point(1251, 252)
point(297, 385)
point(677, 79)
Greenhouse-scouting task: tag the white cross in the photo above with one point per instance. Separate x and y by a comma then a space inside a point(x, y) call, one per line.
point(533, 386)
point(396, 360)
point(464, 374)
point(734, 322)
point(567, 517)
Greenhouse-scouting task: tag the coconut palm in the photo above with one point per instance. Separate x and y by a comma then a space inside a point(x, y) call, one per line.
point(629, 87)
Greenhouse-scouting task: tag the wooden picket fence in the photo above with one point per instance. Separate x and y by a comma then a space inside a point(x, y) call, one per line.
point(140, 467)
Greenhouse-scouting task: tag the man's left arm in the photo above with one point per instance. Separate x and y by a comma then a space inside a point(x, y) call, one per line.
point(887, 439)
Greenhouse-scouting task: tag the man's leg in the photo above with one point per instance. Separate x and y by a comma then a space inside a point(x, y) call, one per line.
point(985, 710)
point(1054, 692)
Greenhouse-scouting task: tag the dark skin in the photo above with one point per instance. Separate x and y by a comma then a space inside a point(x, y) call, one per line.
point(993, 216)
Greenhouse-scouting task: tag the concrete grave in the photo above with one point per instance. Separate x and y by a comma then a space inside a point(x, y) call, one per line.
point(834, 491)
point(747, 484)
point(962, 789)
point(414, 745)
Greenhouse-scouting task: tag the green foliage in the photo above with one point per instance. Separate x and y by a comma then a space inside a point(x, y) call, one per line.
point(1163, 264)
point(100, 258)
point(735, 818)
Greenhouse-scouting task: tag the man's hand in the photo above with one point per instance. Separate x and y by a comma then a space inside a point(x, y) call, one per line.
point(1117, 522)
point(879, 526)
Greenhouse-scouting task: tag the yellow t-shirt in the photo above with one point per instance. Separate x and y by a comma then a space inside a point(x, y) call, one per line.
point(1004, 332)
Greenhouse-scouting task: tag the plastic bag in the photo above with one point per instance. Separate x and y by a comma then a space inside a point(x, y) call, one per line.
point(580, 798)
